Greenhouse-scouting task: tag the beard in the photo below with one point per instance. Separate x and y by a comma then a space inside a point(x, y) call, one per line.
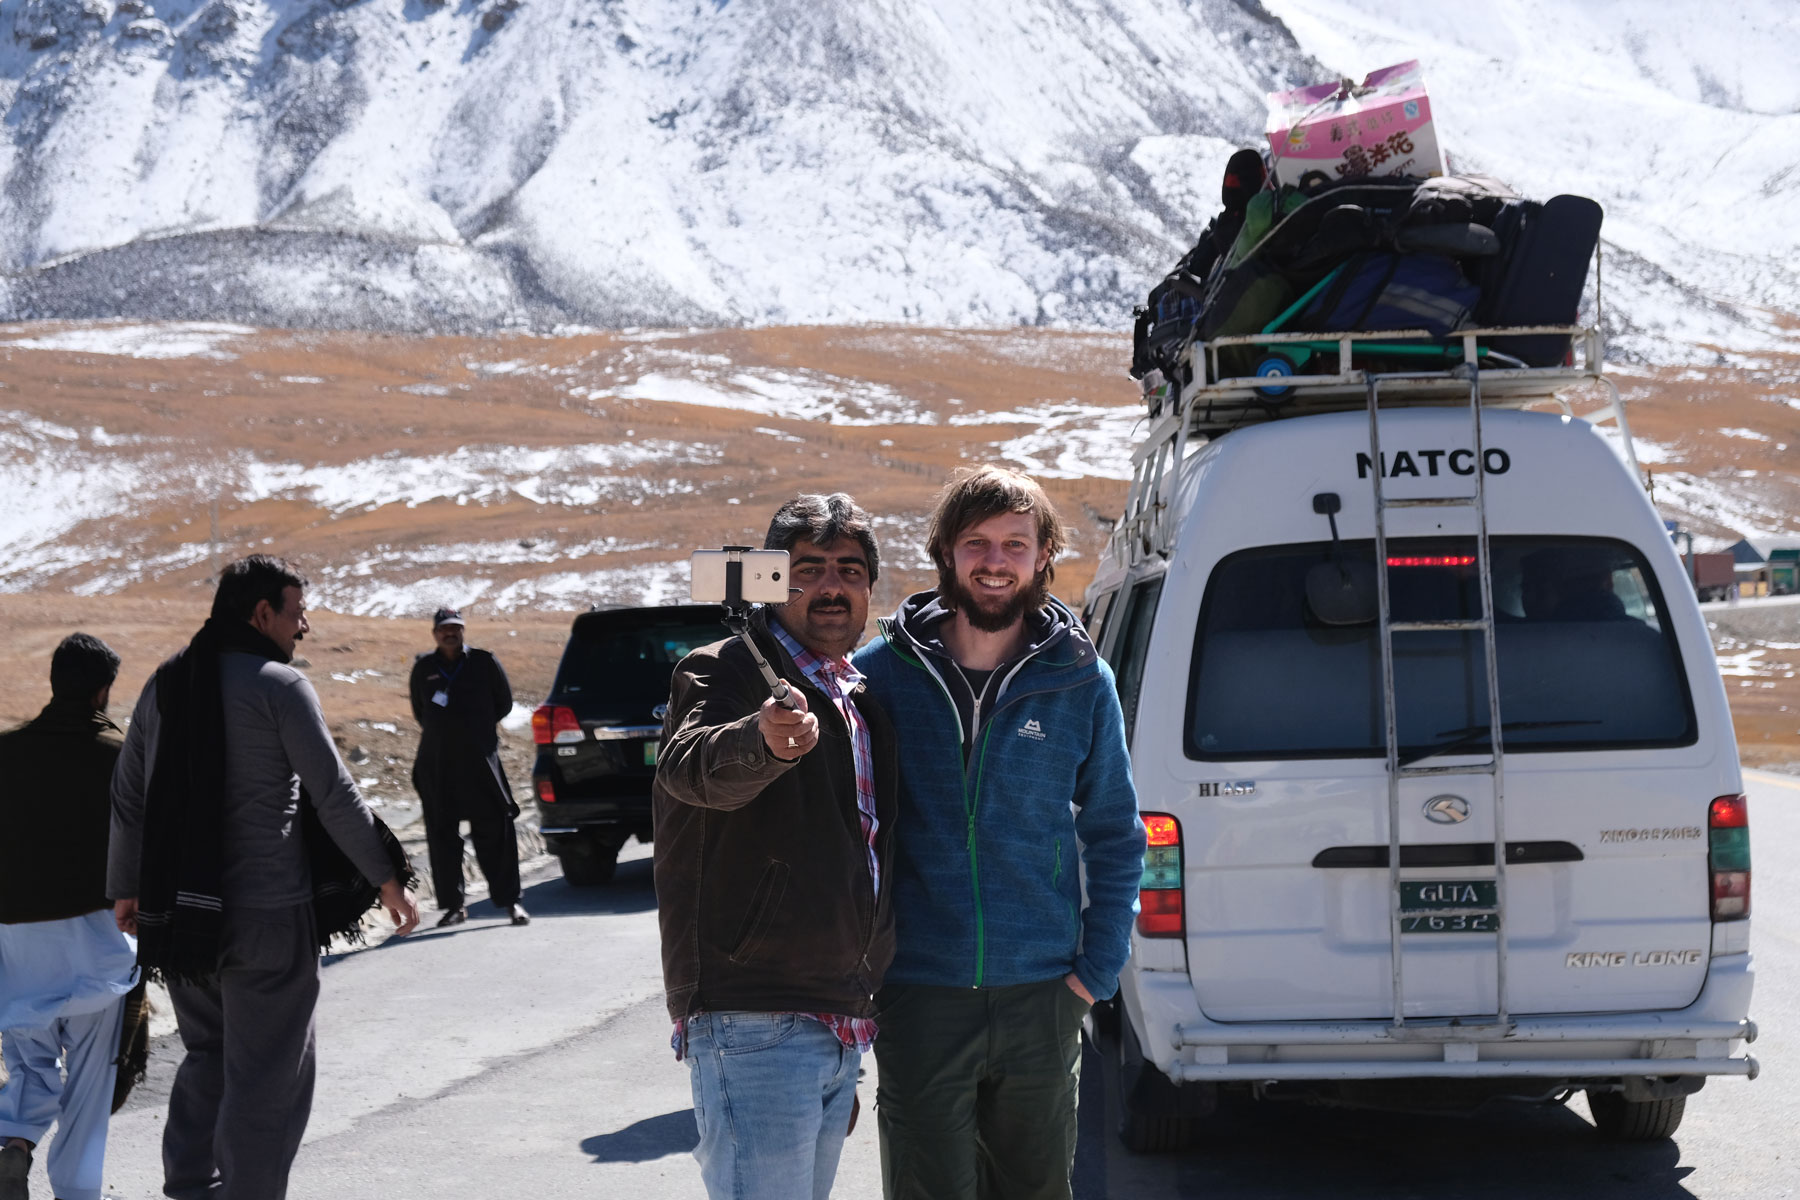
point(979, 608)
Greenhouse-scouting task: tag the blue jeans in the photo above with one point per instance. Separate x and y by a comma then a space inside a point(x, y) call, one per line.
point(772, 1097)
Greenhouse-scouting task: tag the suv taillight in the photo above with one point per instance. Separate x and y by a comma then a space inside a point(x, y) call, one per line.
point(1729, 857)
point(1159, 893)
point(546, 791)
point(554, 723)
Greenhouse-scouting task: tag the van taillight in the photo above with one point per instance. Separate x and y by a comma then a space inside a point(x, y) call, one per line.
point(1159, 893)
point(546, 791)
point(1729, 857)
point(554, 723)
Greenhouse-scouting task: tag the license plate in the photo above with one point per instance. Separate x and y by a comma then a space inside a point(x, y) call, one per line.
point(1416, 894)
point(650, 754)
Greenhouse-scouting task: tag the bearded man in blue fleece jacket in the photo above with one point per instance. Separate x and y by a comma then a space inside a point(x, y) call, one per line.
point(1014, 780)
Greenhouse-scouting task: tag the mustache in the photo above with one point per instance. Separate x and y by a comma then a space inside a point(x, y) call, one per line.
point(823, 603)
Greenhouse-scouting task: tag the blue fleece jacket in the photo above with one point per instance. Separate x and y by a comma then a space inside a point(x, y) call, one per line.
point(989, 855)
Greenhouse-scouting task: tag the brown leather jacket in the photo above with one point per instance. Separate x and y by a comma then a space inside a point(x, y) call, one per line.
point(762, 872)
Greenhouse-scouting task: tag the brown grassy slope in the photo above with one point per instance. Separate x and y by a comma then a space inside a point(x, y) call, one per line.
point(332, 399)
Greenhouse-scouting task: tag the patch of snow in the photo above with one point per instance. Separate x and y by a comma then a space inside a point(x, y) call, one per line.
point(1751, 664)
point(1071, 441)
point(545, 551)
point(797, 395)
point(174, 339)
point(647, 585)
point(1725, 502)
point(576, 476)
point(386, 598)
point(57, 478)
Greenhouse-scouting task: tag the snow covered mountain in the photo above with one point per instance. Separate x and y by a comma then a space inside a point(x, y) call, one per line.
point(482, 164)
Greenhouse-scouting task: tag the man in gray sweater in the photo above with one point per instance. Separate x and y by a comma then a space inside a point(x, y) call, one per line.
point(209, 865)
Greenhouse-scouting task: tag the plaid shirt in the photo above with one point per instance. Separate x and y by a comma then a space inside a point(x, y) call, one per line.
point(837, 679)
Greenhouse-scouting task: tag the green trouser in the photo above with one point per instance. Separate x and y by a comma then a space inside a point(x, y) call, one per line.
point(977, 1091)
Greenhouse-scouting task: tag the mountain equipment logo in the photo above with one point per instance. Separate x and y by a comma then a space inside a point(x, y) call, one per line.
point(1031, 729)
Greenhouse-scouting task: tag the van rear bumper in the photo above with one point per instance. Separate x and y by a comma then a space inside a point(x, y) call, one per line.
point(1706, 1038)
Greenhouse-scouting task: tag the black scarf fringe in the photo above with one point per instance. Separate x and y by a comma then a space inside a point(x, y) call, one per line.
point(180, 908)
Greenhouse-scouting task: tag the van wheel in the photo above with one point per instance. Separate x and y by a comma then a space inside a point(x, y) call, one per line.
point(1622, 1120)
point(589, 862)
point(1153, 1118)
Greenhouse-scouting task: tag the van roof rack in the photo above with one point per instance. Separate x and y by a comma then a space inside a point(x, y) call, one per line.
point(1210, 406)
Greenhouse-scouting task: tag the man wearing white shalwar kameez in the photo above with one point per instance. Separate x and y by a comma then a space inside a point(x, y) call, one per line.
point(62, 996)
point(65, 968)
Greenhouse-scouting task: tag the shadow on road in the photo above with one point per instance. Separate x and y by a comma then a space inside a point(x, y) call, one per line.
point(630, 891)
point(643, 1141)
point(1275, 1149)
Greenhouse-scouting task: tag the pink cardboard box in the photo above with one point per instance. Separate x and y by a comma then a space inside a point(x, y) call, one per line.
point(1382, 127)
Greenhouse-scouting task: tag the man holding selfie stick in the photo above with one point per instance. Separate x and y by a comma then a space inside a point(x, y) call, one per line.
point(774, 821)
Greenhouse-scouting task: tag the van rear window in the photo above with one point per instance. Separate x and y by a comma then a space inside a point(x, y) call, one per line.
point(1282, 669)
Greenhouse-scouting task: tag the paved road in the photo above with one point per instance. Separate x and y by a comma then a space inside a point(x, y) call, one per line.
point(497, 1062)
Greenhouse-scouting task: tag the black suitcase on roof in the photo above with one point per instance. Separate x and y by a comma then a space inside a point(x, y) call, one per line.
point(1539, 274)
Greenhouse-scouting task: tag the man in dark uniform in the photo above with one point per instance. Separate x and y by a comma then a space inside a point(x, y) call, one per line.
point(459, 696)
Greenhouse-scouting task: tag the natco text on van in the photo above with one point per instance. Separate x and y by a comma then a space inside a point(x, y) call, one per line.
point(1459, 462)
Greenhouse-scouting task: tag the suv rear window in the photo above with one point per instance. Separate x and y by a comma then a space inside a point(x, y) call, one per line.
point(1586, 660)
point(629, 656)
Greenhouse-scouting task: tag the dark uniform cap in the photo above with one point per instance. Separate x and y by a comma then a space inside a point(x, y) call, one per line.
point(446, 616)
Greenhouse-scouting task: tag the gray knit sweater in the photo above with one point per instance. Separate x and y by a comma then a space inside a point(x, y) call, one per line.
point(275, 741)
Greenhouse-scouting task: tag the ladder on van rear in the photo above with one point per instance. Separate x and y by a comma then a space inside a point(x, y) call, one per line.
point(1202, 404)
point(1399, 910)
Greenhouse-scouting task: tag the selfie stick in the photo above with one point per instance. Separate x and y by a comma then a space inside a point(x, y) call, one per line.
point(737, 619)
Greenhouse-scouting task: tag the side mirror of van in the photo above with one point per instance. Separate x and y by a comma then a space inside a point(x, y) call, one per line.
point(1342, 593)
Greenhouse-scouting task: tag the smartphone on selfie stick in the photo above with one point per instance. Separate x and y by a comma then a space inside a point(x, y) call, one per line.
point(737, 577)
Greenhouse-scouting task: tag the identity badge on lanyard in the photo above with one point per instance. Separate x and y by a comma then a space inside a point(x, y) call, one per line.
point(441, 697)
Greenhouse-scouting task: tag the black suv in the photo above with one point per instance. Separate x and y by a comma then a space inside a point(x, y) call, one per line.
point(597, 733)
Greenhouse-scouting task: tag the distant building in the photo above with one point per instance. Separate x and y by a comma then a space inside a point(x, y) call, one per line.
point(1767, 567)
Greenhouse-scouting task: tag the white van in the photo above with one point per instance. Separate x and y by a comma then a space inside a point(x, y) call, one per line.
point(1280, 948)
